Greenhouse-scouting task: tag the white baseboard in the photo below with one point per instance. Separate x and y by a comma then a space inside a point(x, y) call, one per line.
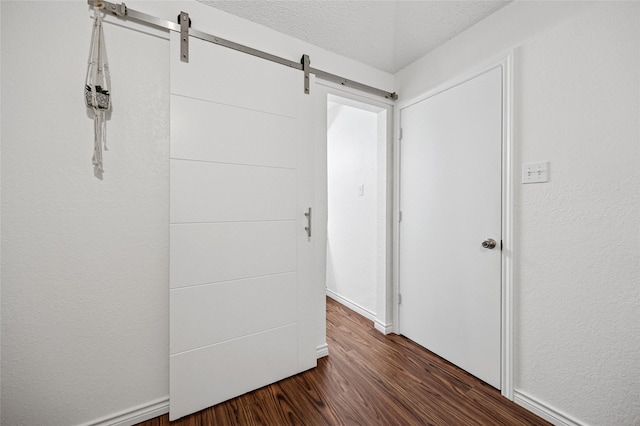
point(352, 305)
point(383, 328)
point(133, 415)
point(156, 408)
point(543, 410)
point(322, 351)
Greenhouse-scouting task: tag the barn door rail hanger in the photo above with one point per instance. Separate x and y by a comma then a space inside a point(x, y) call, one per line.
point(183, 27)
point(185, 23)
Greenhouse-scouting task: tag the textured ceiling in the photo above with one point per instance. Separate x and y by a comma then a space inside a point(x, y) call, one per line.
point(385, 34)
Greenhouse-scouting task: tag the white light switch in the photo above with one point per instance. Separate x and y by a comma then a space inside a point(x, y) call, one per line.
point(535, 172)
point(361, 190)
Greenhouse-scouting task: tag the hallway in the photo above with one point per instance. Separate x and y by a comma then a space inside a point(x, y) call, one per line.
point(368, 379)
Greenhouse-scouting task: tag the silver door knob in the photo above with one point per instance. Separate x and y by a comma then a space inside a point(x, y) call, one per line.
point(489, 243)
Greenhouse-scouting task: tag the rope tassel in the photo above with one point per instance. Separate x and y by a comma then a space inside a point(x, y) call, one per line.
point(97, 90)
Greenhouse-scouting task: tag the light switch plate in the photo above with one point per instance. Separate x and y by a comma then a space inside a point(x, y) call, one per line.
point(535, 172)
point(361, 190)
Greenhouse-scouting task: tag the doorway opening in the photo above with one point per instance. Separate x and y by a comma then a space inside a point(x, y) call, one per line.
point(358, 250)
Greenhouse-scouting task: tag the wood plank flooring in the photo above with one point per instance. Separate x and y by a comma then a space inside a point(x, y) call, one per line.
point(368, 379)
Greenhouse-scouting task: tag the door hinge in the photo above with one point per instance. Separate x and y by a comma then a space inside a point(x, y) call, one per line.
point(400, 216)
point(399, 298)
point(501, 246)
point(400, 136)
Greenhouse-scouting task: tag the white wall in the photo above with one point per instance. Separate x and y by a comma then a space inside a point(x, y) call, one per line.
point(85, 261)
point(85, 265)
point(0, 216)
point(577, 301)
point(352, 139)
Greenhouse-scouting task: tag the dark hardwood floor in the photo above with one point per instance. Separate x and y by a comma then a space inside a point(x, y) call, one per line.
point(368, 379)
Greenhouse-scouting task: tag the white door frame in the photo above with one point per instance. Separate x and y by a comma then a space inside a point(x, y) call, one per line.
point(508, 174)
point(384, 228)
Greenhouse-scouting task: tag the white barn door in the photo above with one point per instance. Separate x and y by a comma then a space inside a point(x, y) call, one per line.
point(240, 258)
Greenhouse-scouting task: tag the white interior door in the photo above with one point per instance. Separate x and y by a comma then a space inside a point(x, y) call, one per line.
point(240, 258)
point(450, 199)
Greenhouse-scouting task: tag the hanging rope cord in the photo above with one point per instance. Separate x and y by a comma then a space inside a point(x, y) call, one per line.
point(98, 84)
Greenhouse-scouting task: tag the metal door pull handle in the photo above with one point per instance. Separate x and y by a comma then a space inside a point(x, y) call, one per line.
point(308, 227)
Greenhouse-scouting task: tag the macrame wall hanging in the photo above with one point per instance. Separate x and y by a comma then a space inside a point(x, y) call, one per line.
point(97, 90)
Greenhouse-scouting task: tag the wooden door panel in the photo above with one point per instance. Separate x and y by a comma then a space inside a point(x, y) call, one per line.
point(231, 192)
point(269, 140)
point(233, 368)
point(221, 75)
point(232, 308)
point(204, 253)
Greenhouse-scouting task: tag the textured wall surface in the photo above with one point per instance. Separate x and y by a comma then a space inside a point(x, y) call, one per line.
point(85, 271)
point(263, 38)
point(85, 261)
point(0, 215)
point(578, 304)
point(387, 35)
point(577, 300)
point(352, 238)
